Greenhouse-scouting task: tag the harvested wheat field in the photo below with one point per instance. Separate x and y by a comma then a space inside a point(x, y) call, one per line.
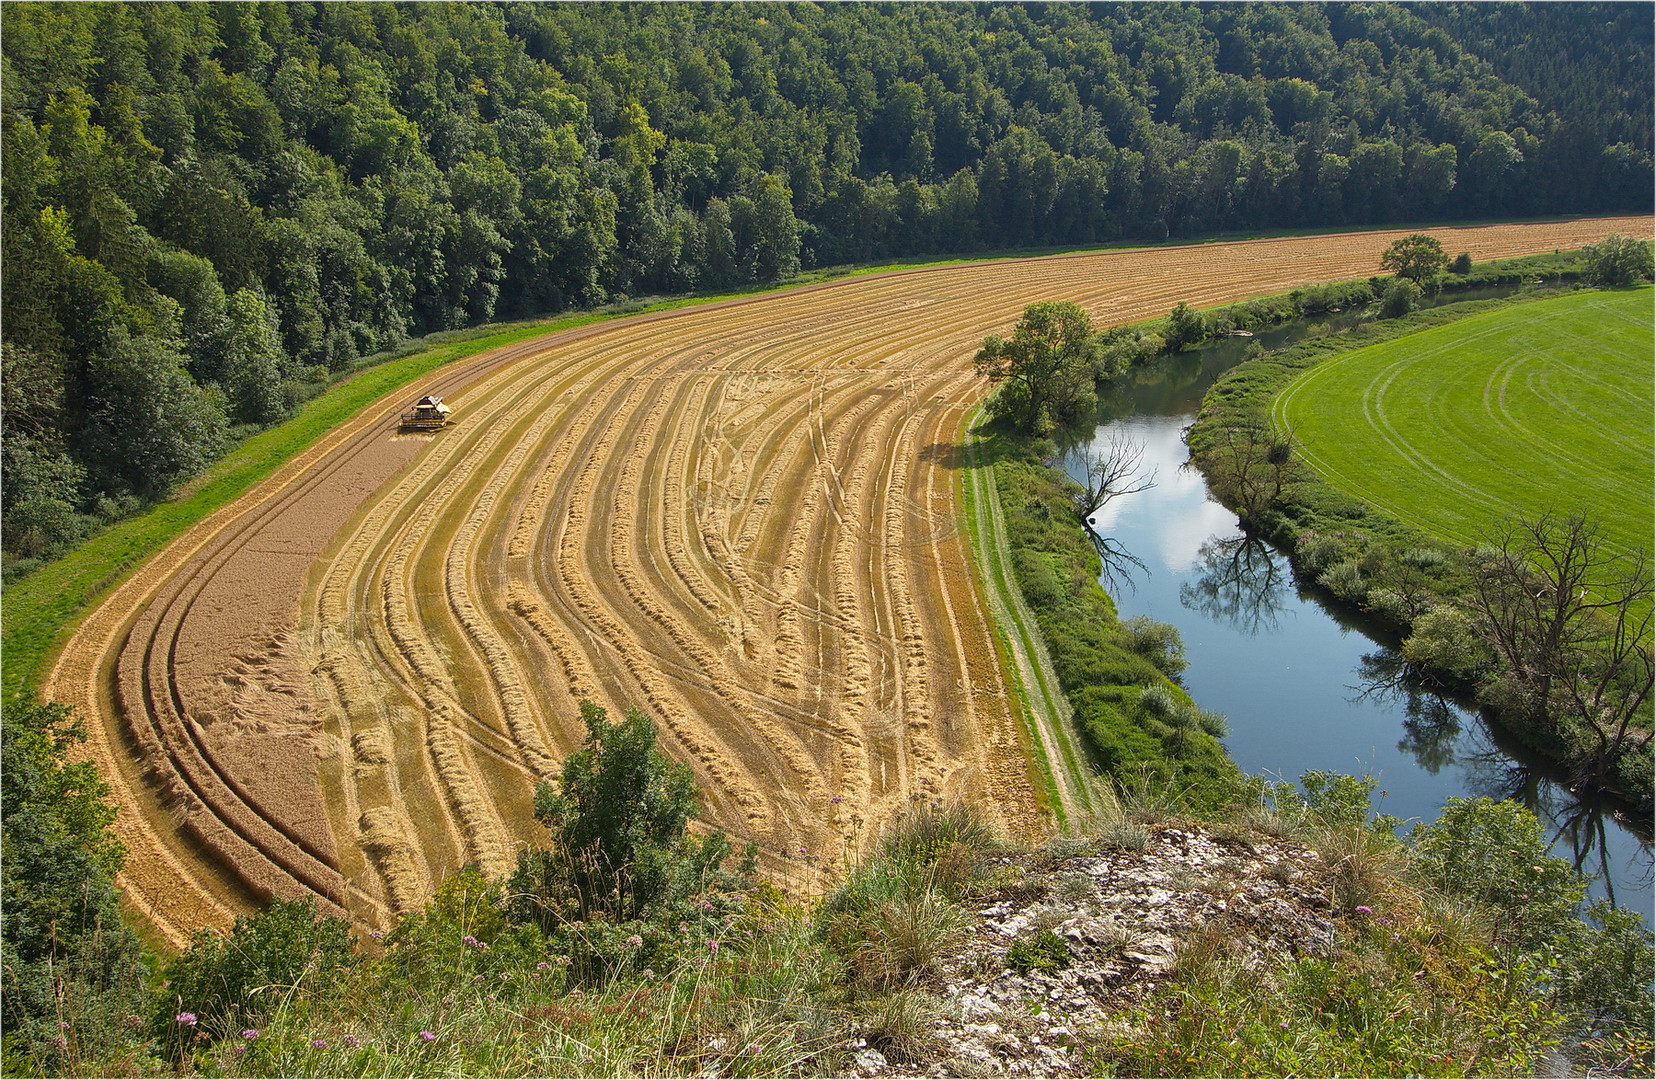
point(741, 517)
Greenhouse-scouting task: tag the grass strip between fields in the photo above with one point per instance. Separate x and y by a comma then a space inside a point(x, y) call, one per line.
point(1045, 708)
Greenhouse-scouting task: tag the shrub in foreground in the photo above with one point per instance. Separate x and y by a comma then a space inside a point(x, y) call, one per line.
point(224, 984)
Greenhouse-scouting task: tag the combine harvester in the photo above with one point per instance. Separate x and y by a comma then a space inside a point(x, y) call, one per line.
point(428, 414)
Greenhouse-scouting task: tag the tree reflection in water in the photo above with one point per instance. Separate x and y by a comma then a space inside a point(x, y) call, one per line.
point(1573, 821)
point(1240, 581)
point(1436, 734)
point(1431, 722)
point(1104, 471)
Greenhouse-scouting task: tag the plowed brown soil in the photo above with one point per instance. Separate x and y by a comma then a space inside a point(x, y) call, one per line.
point(740, 517)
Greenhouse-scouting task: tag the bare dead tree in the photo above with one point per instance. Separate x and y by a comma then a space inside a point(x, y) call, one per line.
point(1250, 468)
point(1608, 693)
point(1571, 623)
point(1112, 471)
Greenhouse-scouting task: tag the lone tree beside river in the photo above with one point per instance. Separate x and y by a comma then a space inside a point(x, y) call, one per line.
point(1045, 371)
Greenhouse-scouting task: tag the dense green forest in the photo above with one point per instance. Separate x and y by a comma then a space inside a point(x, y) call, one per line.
point(210, 207)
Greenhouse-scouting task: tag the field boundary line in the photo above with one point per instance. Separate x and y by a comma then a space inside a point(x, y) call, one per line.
point(1045, 709)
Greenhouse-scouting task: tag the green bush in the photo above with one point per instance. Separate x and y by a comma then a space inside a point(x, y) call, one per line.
point(623, 883)
point(1599, 961)
point(1492, 853)
point(1158, 642)
point(222, 984)
point(928, 835)
point(1045, 951)
point(1316, 299)
point(1400, 298)
point(1604, 984)
point(897, 911)
point(1185, 326)
point(618, 818)
point(41, 525)
point(1618, 260)
point(1411, 1008)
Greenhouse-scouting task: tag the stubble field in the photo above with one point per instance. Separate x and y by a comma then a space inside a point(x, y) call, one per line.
point(742, 518)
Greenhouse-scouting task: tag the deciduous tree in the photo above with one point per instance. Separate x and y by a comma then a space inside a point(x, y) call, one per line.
point(1044, 371)
point(1570, 620)
point(1618, 260)
point(1417, 257)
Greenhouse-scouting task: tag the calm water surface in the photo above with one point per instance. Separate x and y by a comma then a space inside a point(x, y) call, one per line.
point(1297, 684)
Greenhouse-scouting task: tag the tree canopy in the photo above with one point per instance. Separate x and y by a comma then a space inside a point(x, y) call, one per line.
point(1044, 372)
point(1416, 257)
point(63, 937)
point(1619, 260)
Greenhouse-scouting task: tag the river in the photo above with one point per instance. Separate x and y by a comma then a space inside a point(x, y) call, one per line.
point(1298, 683)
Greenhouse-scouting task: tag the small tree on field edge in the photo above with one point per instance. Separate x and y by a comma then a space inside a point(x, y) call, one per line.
point(1418, 257)
point(1045, 370)
point(620, 846)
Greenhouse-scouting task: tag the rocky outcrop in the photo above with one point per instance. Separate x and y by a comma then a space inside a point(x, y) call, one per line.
point(1013, 1003)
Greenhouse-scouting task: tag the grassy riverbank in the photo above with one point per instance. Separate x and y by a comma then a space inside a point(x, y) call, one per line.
point(1118, 680)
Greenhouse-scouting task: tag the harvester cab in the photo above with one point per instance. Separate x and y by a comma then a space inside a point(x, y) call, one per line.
point(428, 414)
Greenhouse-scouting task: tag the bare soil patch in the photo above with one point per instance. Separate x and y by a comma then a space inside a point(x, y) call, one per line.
point(742, 517)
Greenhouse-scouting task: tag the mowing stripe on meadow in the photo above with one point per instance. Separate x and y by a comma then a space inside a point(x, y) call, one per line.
point(1520, 410)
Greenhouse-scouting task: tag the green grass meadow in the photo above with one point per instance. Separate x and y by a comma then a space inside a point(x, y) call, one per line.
point(1538, 407)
